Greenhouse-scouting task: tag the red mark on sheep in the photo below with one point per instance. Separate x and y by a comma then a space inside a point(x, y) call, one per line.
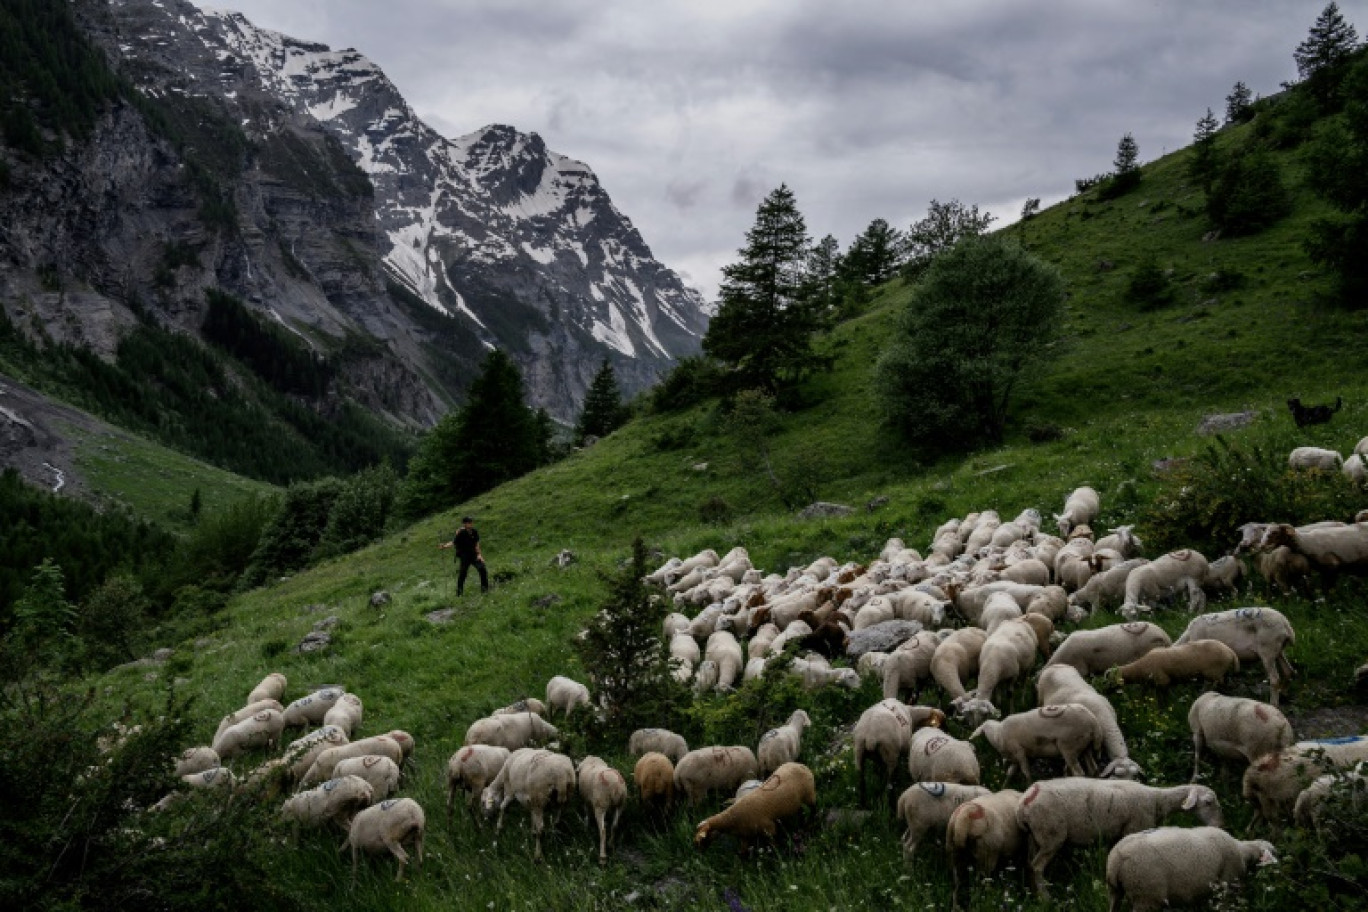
point(1030, 795)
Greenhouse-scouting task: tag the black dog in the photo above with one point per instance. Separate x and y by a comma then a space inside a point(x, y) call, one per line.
point(1312, 414)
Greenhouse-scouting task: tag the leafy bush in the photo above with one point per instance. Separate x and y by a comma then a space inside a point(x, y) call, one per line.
point(111, 621)
point(1149, 287)
point(715, 511)
point(693, 380)
point(1248, 195)
point(288, 541)
point(362, 509)
point(220, 547)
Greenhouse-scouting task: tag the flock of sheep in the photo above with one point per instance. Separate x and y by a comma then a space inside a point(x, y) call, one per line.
point(982, 608)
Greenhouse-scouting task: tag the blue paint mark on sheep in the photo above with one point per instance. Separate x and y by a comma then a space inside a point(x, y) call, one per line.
point(1349, 739)
point(934, 789)
point(1248, 614)
point(386, 805)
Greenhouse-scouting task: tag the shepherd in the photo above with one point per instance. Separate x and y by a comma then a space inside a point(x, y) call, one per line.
point(466, 541)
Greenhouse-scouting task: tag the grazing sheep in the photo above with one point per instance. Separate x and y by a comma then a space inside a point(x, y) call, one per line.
point(1176, 865)
point(1000, 607)
point(883, 730)
point(1224, 576)
point(783, 745)
point(1094, 651)
point(1073, 564)
point(1063, 684)
point(381, 772)
point(310, 710)
point(1122, 539)
point(605, 791)
point(1282, 568)
point(657, 578)
point(713, 769)
point(706, 677)
point(1207, 659)
point(262, 730)
point(660, 740)
point(512, 732)
point(910, 664)
point(385, 828)
point(1307, 457)
point(1178, 572)
point(1007, 654)
point(934, 756)
point(926, 806)
point(654, 778)
point(197, 760)
point(1235, 728)
point(302, 752)
point(272, 687)
point(820, 674)
point(758, 645)
point(1069, 731)
point(789, 790)
point(346, 713)
point(335, 801)
point(1029, 571)
point(915, 605)
point(871, 665)
point(983, 830)
point(1106, 589)
point(563, 695)
point(270, 779)
point(1310, 803)
point(685, 652)
point(1053, 603)
point(1355, 470)
point(1253, 633)
point(325, 762)
point(242, 715)
point(1080, 509)
point(956, 660)
point(536, 778)
point(1273, 782)
point(723, 649)
point(970, 602)
point(471, 769)
point(1329, 547)
point(525, 705)
point(1059, 812)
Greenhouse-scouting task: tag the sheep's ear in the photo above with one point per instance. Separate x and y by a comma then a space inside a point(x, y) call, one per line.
point(1190, 801)
point(1266, 857)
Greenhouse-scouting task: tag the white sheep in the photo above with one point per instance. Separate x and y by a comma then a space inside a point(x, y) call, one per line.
point(871, 664)
point(910, 664)
point(1330, 547)
point(706, 677)
point(243, 714)
point(605, 791)
point(1355, 470)
point(984, 830)
point(1253, 633)
point(1124, 540)
point(196, 760)
point(674, 623)
point(1176, 573)
point(685, 654)
point(346, 713)
point(525, 705)
point(758, 645)
point(512, 732)
point(381, 772)
point(564, 694)
point(1053, 602)
point(1094, 651)
point(1073, 564)
point(926, 806)
point(1080, 509)
point(820, 674)
point(1206, 659)
point(956, 660)
point(935, 756)
point(1063, 684)
point(536, 778)
point(261, 730)
point(272, 687)
point(1000, 607)
point(310, 710)
point(713, 769)
point(1106, 589)
point(783, 744)
point(335, 801)
point(385, 828)
point(1007, 654)
point(1282, 568)
point(884, 730)
point(1224, 576)
point(470, 770)
point(1309, 808)
point(1069, 731)
point(1080, 811)
point(1308, 457)
point(302, 752)
point(723, 649)
point(1273, 782)
point(327, 760)
point(657, 577)
point(660, 740)
point(1178, 866)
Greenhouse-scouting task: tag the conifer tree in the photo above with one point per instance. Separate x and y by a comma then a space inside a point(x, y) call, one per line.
point(874, 256)
point(1326, 47)
point(945, 225)
point(603, 411)
point(766, 318)
point(1239, 104)
point(824, 275)
point(1203, 165)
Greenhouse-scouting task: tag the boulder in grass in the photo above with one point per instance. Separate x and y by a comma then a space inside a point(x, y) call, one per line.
point(884, 637)
point(824, 510)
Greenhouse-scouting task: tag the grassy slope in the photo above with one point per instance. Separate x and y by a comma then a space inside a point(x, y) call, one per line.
point(1128, 397)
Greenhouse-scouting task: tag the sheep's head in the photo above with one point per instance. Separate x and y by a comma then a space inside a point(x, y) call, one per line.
point(1267, 855)
point(1122, 768)
point(703, 835)
point(976, 709)
point(1203, 802)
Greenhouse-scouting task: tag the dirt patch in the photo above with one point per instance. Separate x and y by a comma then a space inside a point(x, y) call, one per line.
point(36, 438)
point(1330, 722)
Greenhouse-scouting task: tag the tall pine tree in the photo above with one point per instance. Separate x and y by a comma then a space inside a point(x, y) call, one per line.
point(1322, 56)
point(1239, 104)
point(603, 411)
point(766, 318)
point(1204, 164)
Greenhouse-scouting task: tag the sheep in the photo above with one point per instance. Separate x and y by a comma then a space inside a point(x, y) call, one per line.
point(1063, 684)
point(782, 745)
point(815, 675)
point(1273, 782)
point(302, 752)
point(654, 778)
point(674, 623)
point(711, 769)
point(262, 730)
point(533, 777)
point(270, 779)
point(1224, 576)
point(335, 801)
point(703, 559)
point(1124, 540)
point(789, 790)
point(985, 829)
point(957, 659)
point(660, 740)
point(925, 806)
point(916, 605)
point(525, 705)
point(563, 695)
point(385, 828)
point(381, 772)
point(754, 669)
point(910, 664)
point(871, 664)
point(723, 649)
point(217, 778)
point(243, 714)
point(884, 730)
point(197, 760)
point(272, 687)
point(470, 769)
point(1080, 508)
point(1308, 809)
point(1282, 568)
point(934, 756)
point(1182, 571)
point(971, 602)
point(1008, 653)
point(1073, 564)
point(325, 762)
point(1355, 470)
point(605, 791)
point(1330, 547)
point(1030, 572)
point(346, 713)
point(1053, 603)
point(794, 631)
point(1106, 589)
point(685, 652)
point(1307, 457)
point(1069, 731)
point(657, 577)
point(310, 710)
point(1207, 659)
point(513, 732)
point(1253, 633)
point(1000, 607)
point(1058, 812)
point(706, 677)
point(758, 645)
point(1177, 865)
point(1094, 651)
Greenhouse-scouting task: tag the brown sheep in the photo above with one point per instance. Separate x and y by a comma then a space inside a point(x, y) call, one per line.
point(788, 791)
point(654, 778)
point(1208, 659)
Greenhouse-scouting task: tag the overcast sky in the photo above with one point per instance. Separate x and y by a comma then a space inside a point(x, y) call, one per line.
point(690, 111)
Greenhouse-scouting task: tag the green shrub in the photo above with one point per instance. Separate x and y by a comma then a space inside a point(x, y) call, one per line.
point(289, 540)
point(715, 511)
point(1149, 287)
point(359, 514)
point(692, 381)
point(1248, 195)
point(111, 621)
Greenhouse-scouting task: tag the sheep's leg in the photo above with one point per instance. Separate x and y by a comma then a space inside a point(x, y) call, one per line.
point(1071, 764)
point(451, 799)
point(418, 850)
point(398, 852)
point(536, 832)
point(1270, 664)
point(1040, 858)
point(600, 815)
point(1196, 756)
point(1196, 597)
point(612, 827)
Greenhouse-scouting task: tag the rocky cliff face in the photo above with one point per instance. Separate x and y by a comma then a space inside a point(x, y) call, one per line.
point(299, 179)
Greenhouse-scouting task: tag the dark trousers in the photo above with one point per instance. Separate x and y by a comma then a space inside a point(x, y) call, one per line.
point(466, 564)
